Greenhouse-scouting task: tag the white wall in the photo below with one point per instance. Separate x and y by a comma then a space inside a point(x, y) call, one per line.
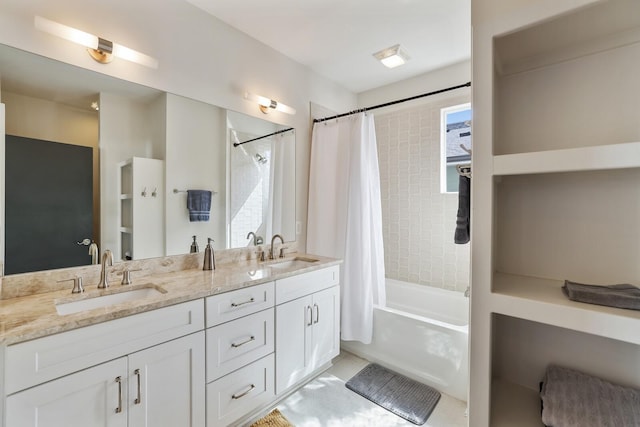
point(418, 220)
point(441, 78)
point(50, 121)
point(196, 159)
point(125, 132)
point(199, 57)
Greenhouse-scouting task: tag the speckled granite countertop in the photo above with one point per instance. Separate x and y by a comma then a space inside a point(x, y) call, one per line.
point(34, 316)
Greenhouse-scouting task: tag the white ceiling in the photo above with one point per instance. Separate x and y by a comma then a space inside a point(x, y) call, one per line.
point(336, 38)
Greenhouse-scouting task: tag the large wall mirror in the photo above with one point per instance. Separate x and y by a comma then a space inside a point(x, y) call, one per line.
point(93, 159)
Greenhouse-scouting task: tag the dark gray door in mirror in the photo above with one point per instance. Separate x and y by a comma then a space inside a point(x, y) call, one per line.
point(49, 204)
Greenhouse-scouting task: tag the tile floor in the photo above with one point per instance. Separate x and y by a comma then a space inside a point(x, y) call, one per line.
point(325, 402)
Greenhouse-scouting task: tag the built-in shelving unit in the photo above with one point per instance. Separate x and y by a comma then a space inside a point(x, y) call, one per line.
point(615, 156)
point(510, 401)
point(542, 300)
point(556, 197)
point(141, 208)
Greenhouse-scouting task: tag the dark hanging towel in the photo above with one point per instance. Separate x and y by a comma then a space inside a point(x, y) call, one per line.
point(463, 232)
point(199, 205)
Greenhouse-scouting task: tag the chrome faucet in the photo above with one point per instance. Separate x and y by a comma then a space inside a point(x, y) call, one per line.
point(251, 233)
point(271, 254)
point(107, 257)
point(257, 240)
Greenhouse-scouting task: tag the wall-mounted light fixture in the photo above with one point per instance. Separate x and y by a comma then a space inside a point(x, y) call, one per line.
point(392, 57)
point(100, 49)
point(95, 106)
point(266, 103)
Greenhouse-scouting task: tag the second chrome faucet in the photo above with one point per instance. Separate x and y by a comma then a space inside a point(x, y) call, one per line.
point(271, 254)
point(107, 257)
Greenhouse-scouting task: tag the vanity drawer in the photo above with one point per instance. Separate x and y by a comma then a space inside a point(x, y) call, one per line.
point(242, 302)
point(294, 287)
point(43, 359)
point(234, 344)
point(240, 392)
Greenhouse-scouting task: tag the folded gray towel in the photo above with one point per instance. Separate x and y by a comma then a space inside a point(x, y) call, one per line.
point(574, 399)
point(199, 205)
point(621, 296)
point(463, 220)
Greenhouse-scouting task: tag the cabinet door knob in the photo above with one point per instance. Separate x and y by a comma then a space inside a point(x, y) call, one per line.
point(238, 396)
point(138, 400)
point(119, 408)
point(234, 345)
point(233, 304)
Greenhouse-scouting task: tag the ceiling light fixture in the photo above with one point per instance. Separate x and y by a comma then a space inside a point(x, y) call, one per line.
point(266, 103)
point(100, 49)
point(392, 57)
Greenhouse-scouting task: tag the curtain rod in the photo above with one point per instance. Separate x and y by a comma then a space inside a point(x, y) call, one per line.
point(386, 104)
point(235, 144)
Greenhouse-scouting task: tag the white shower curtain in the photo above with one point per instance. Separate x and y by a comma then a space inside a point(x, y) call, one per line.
point(345, 216)
point(281, 201)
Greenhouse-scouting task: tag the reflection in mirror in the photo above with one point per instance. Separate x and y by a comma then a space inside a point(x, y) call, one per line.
point(189, 142)
point(262, 185)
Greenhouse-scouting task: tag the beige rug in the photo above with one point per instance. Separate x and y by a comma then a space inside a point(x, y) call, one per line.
point(273, 419)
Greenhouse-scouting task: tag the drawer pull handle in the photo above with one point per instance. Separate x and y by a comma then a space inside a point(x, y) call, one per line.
point(119, 408)
point(317, 313)
point(310, 310)
point(233, 304)
point(238, 396)
point(234, 345)
point(138, 399)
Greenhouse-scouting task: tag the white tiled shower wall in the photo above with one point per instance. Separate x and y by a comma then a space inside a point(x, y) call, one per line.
point(418, 220)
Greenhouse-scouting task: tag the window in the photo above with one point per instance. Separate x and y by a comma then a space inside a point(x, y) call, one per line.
point(455, 142)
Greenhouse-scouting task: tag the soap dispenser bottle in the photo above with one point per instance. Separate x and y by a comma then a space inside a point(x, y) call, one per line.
point(194, 246)
point(209, 258)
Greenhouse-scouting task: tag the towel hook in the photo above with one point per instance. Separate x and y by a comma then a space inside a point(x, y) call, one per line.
point(144, 192)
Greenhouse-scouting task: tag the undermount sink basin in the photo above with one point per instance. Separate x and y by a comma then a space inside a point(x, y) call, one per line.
point(70, 307)
point(297, 262)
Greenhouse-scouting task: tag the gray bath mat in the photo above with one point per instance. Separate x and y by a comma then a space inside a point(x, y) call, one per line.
point(403, 396)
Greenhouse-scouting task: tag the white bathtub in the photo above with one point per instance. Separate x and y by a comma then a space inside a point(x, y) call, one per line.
point(423, 334)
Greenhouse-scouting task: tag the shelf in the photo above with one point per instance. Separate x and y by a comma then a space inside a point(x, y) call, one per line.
point(614, 156)
point(542, 300)
point(127, 196)
point(514, 405)
point(568, 36)
point(127, 230)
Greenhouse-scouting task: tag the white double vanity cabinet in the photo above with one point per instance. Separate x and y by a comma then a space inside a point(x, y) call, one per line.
point(216, 360)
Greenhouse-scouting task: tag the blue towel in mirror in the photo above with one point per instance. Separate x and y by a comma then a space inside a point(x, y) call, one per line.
point(199, 205)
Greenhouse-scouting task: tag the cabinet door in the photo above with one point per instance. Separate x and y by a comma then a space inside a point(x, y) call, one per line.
point(87, 398)
point(326, 321)
point(293, 341)
point(167, 384)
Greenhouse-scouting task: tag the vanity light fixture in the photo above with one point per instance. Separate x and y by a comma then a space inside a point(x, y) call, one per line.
point(95, 106)
point(392, 57)
point(100, 49)
point(266, 103)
